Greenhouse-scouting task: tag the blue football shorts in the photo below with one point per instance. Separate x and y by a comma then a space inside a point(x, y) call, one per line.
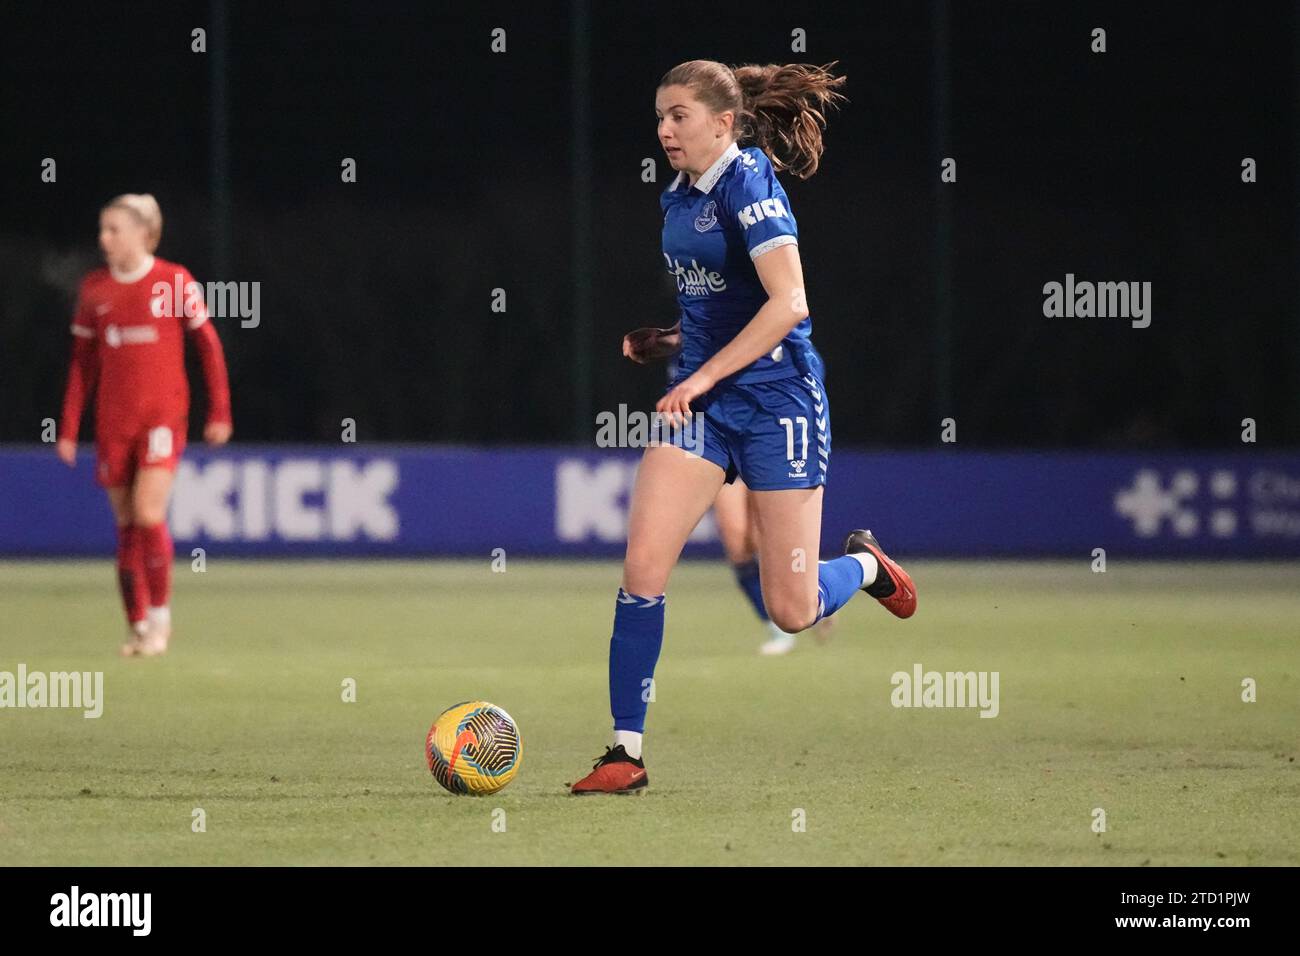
point(775, 435)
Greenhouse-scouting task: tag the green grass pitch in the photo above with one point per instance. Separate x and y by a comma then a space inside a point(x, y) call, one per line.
point(1120, 691)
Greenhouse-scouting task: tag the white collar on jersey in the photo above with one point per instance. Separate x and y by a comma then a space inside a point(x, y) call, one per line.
point(709, 179)
point(136, 274)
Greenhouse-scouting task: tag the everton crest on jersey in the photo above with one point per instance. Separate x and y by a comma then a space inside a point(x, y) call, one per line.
point(713, 232)
point(708, 217)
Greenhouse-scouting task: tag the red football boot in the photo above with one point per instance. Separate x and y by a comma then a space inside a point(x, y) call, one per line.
point(615, 772)
point(900, 599)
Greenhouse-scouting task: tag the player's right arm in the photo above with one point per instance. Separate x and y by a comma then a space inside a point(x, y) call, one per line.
point(82, 375)
point(650, 345)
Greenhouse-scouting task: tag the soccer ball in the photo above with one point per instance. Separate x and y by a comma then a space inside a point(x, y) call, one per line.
point(474, 748)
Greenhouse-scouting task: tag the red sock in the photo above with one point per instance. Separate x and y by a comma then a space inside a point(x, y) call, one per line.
point(130, 572)
point(156, 544)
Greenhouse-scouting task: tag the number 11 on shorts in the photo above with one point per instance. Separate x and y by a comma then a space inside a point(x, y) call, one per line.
point(789, 436)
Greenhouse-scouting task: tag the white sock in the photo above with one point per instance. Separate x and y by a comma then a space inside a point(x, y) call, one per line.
point(160, 616)
point(631, 742)
point(870, 566)
point(140, 628)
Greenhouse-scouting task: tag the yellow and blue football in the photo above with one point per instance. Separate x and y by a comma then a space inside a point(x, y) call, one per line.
point(474, 748)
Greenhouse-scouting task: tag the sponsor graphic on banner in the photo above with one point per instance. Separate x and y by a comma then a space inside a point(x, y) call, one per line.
point(412, 500)
point(295, 499)
point(1258, 503)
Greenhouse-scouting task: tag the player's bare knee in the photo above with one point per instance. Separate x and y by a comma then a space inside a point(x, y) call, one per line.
point(735, 542)
point(147, 516)
point(791, 616)
point(738, 552)
point(644, 587)
point(647, 578)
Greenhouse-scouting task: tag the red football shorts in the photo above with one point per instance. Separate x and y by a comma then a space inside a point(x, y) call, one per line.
point(119, 457)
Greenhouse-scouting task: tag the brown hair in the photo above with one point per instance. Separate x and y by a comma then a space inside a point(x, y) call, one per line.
point(146, 211)
point(780, 108)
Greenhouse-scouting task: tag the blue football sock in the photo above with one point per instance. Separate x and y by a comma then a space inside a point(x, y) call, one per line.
point(837, 581)
point(633, 653)
point(747, 578)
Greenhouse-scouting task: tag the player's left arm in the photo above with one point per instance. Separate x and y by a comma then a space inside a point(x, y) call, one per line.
point(83, 372)
point(781, 273)
point(199, 327)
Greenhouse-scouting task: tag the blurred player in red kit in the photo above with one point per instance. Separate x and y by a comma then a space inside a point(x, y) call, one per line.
point(129, 348)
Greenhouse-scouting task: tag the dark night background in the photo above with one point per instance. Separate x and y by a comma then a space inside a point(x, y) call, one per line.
point(376, 295)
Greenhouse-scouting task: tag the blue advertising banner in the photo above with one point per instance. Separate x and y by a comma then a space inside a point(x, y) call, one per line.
point(442, 500)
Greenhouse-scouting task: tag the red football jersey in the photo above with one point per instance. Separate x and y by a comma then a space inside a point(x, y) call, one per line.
point(130, 344)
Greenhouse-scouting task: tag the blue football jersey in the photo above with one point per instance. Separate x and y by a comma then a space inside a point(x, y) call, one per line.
point(713, 231)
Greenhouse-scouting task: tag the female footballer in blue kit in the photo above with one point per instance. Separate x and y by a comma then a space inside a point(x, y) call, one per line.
point(747, 371)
